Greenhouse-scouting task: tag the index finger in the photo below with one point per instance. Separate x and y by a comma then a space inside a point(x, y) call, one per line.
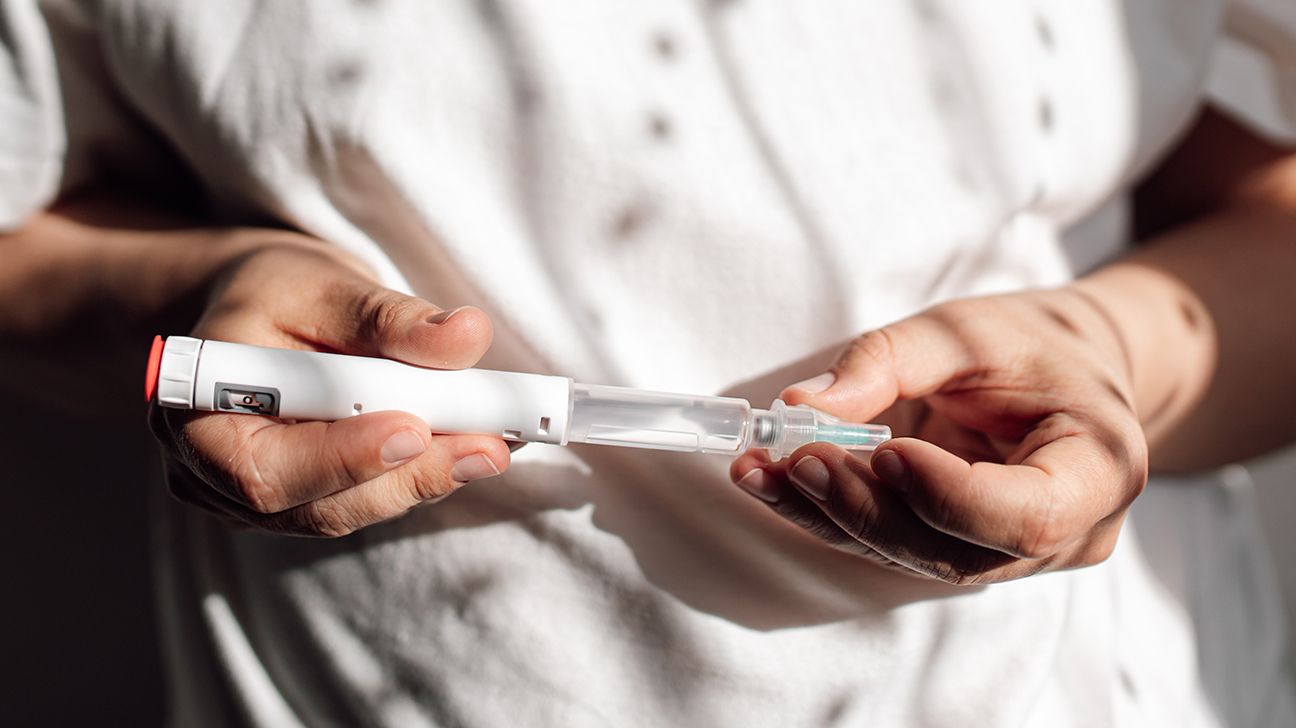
point(1067, 484)
point(269, 466)
point(876, 516)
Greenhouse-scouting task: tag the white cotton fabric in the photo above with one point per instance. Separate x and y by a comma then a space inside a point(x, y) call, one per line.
point(691, 196)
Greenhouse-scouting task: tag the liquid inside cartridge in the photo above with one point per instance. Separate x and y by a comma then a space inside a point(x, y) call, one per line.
point(604, 415)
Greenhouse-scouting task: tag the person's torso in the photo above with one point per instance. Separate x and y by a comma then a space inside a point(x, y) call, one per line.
point(690, 196)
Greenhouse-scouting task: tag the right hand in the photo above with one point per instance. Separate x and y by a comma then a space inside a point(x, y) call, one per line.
point(324, 478)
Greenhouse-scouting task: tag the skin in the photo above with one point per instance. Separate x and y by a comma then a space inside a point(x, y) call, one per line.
point(325, 478)
point(1033, 417)
point(110, 270)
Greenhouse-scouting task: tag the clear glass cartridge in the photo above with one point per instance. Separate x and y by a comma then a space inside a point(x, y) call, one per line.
point(603, 415)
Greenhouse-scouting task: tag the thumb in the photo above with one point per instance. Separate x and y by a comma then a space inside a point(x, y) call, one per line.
point(905, 360)
point(380, 322)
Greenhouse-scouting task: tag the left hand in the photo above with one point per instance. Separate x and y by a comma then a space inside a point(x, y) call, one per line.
point(1025, 452)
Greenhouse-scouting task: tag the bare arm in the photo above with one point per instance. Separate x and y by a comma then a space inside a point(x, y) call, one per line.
point(1207, 308)
point(86, 285)
point(1032, 417)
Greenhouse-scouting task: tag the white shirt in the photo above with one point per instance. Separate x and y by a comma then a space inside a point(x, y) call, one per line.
point(692, 196)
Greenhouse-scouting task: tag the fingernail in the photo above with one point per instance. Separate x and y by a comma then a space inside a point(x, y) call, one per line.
point(815, 385)
point(891, 468)
point(811, 476)
point(401, 447)
point(443, 316)
point(473, 467)
point(758, 483)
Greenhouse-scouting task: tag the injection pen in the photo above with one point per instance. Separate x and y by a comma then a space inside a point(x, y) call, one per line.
point(216, 376)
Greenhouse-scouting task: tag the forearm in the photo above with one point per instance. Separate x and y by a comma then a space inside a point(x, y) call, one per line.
point(83, 286)
point(1206, 312)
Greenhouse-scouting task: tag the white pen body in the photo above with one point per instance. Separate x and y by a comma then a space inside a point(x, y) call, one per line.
point(223, 377)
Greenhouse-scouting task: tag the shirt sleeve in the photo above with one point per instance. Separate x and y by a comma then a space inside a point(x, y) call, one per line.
point(32, 136)
point(1253, 75)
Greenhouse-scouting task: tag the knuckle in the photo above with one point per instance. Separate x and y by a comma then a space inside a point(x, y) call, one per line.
point(1042, 536)
point(1098, 551)
point(1050, 524)
point(969, 569)
point(962, 312)
point(863, 523)
point(1096, 554)
point(956, 574)
point(183, 445)
point(877, 345)
point(875, 350)
point(812, 521)
point(350, 474)
point(328, 520)
point(251, 487)
point(257, 496)
point(1125, 447)
point(213, 452)
point(428, 486)
point(877, 557)
point(386, 310)
point(943, 506)
point(1140, 469)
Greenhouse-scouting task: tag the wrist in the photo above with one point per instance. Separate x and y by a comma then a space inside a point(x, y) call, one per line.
point(1166, 336)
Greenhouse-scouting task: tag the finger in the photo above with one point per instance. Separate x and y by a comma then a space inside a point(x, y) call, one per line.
point(334, 306)
point(371, 321)
point(844, 489)
point(269, 466)
point(187, 489)
point(1032, 510)
point(449, 463)
point(181, 480)
point(751, 472)
point(747, 472)
point(908, 359)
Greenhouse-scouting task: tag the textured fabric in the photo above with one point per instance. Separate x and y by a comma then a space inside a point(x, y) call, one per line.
point(692, 196)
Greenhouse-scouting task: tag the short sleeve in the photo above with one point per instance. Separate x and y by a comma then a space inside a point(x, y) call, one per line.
point(32, 136)
point(1253, 75)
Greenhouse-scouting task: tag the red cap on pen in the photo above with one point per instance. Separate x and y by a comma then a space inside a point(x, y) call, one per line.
point(154, 365)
